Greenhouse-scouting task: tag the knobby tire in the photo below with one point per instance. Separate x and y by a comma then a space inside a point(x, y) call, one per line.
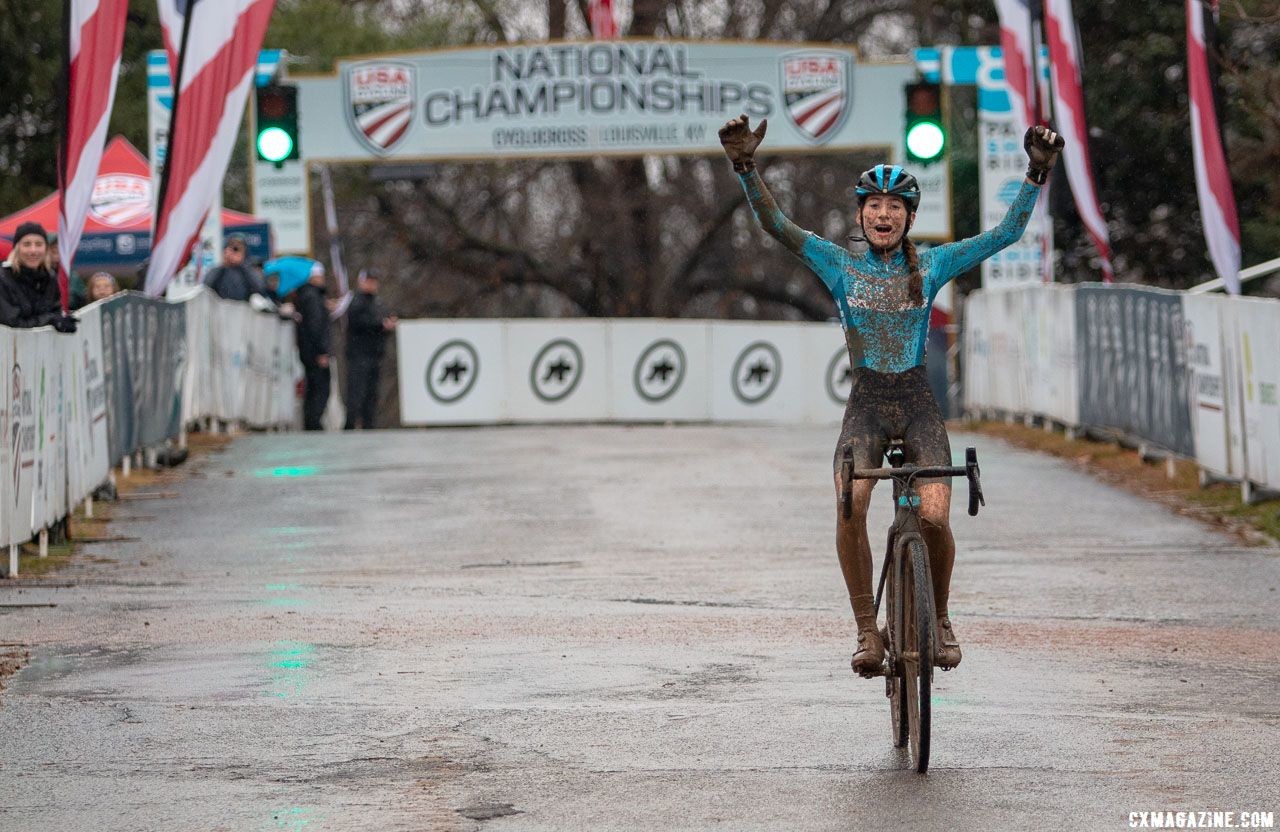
point(920, 640)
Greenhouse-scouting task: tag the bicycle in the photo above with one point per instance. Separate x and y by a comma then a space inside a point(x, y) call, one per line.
point(905, 574)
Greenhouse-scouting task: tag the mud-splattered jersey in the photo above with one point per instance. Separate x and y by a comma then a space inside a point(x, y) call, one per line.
point(885, 332)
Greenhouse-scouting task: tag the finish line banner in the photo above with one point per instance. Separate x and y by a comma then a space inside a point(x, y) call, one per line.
point(592, 98)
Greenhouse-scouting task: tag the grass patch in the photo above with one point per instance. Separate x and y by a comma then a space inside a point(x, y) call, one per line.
point(1176, 483)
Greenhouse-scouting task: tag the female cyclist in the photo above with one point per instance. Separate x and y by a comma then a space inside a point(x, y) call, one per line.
point(884, 296)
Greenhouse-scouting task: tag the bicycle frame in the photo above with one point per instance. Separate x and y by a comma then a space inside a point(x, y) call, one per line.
point(912, 636)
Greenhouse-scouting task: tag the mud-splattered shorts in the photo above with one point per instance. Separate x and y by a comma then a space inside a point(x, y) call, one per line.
point(885, 406)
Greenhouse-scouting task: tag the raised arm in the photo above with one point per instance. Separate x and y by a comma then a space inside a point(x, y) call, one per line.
point(1042, 146)
point(740, 143)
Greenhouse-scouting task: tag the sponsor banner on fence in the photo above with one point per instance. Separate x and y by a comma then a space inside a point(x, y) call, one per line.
point(1195, 374)
point(1256, 331)
point(144, 349)
point(89, 457)
point(659, 370)
point(1133, 364)
point(995, 351)
point(74, 404)
point(1049, 347)
point(1210, 409)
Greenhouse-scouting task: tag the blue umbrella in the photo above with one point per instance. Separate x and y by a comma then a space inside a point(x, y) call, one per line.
point(293, 272)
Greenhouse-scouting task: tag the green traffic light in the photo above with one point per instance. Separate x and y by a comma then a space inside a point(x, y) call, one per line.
point(926, 140)
point(275, 144)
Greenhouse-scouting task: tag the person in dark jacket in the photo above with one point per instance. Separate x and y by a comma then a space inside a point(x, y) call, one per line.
point(368, 326)
point(29, 295)
point(313, 347)
point(235, 279)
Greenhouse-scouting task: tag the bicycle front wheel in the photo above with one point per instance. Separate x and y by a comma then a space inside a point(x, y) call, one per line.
point(895, 678)
point(918, 655)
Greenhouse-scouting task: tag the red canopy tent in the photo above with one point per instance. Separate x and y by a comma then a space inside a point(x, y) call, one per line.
point(117, 231)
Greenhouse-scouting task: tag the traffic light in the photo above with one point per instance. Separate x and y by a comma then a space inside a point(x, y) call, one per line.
point(276, 110)
point(926, 136)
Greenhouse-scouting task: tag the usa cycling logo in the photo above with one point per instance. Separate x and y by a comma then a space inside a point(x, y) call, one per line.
point(120, 199)
point(380, 96)
point(817, 91)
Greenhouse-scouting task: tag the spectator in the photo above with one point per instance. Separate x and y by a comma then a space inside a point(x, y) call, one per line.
point(102, 286)
point(29, 294)
point(313, 347)
point(234, 279)
point(368, 326)
point(53, 257)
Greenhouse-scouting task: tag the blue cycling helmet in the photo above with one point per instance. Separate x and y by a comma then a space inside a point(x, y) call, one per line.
point(889, 180)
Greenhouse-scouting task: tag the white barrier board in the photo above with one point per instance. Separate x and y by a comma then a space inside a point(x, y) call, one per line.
point(451, 372)
point(23, 435)
point(1258, 343)
point(758, 372)
point(1210, 409)
point(557, 370)
point(660, 370)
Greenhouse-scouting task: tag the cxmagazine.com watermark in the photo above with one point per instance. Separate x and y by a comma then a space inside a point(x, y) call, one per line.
point(1211, 819)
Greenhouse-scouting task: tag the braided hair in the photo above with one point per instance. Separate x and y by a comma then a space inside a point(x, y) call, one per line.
point(915, 284)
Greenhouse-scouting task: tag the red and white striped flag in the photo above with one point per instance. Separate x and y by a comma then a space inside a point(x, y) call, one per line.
point(172, 13)
point(1019, 51)
point(217, 60)
point(1068, 109)
point(1213, 179)
point(603, 24)
point(1019, 61)
point(95, 36)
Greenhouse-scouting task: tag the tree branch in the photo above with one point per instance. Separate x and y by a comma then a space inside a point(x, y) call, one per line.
point(680, 275)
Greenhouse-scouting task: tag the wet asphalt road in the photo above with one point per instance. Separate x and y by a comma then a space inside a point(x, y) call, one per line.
point(621, 628)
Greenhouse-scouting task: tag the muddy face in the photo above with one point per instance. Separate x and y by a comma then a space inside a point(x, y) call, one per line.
point(884, 221)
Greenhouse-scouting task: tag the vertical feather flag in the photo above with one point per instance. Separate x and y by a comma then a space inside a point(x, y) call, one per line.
point(1068, 109)
point(335, 245)
point(1213, 179)
point(1019, 58)
point(1020, 53)
point(94, 34)
point(217, 60)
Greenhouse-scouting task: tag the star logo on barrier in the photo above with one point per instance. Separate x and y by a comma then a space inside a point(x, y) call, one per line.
point(756, 372)
point(659, 371)
point(556, 370)
point(452, 371)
